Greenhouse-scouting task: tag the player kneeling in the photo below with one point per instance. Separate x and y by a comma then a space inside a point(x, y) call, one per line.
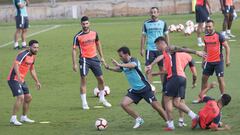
point(210, 114)
point(140, 88)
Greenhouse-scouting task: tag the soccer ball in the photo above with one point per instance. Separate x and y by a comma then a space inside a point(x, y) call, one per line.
point(101, 124)
point(188, 31)
point(172, 28)
point(106, 90)
point(180, 27)
point(190, 23)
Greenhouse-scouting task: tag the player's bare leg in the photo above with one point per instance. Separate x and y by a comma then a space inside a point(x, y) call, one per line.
point(221, 83)
point(149, 75)
point(102, 92)
point(125, 104)
point(156, 105)
point(181, 117)
point(168, 103)
point(83, 89)
point(16, 34)
point(199, 31)
point(24, 34)
point(225, 25)
point(230, 20)
point(18, 103)
point(26, 104)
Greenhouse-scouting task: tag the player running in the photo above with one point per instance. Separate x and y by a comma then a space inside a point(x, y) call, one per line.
point(22, 22)
point(227, 8)
point(88, 43)
point(176, 79)
point(202, 15)
point(210, 114)
point(23, 63)
point(152, 29)
point(214, 43)
point(140, 88)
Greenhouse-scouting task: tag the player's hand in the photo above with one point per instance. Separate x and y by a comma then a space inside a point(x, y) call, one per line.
point(228, 63)
point(142, 52)
point(38, 85)
point(114, 62)
point(227, 127)
point(148, 68)
point(106, 66)
point(201, 54)
point(75, 67)
point(194, 85)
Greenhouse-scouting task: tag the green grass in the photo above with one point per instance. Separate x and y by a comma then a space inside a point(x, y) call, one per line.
point(59, 102)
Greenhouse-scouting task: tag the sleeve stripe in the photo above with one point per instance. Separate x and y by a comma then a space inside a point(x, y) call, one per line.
point(23, 57)
point(75, 38)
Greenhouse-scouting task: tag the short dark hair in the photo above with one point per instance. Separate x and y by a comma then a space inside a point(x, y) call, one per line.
point(210, 21)
point(160, 39)
point(155, 8)
point(124, 50)
point(84, 18)
point(225, 99)
point(31, 42)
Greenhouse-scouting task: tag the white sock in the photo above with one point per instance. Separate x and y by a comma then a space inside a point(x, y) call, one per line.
point(171, 124)
point(24, 44)
point(16, 44)
point(228, 31)
point(102, 95)
point(138, 118)
point(192, 114)
point(14, 117)
point(24, 116)
point(84, 100)
point(199, 39)
point(181, 119)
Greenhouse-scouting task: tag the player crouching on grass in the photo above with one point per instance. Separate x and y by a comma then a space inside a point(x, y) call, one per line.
point(22, 64)
point(176, 79)
point(210, 114)
point(140, 88)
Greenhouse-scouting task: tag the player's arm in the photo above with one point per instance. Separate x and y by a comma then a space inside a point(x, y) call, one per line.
point(124, 65)
point(165, 30)
point(222, 5)
point(34, 76)
point(215, 124)
point(227, 51)
point(74, 53)
point(172, 48)
point(225, 127)
point(143, 40)
point(16, 69)
point(209, 6)
point(194, 73)
point(156, 60)
point(99, 49)
point(115, 69)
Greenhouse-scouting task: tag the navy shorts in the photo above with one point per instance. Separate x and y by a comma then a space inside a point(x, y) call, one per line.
point(175, 87)
point(210, 67)
point(22, 22)
point(17, 88)
point(138, 95)
point(228, 10)
point(202, 14)
point(90, 63)
point(151, 56)
point(164, 83)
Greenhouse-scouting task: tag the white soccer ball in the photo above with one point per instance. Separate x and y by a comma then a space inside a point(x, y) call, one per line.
point(172, 28)
point(188, 31)
point(101, 124)
point(106, 90)
point(190, 23)
point(180, 27)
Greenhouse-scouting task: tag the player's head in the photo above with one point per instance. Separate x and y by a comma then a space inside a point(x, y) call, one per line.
point(154, 13)
point(124, 53)
point(225, 99)
point(85, 23)
point(209, 26)
point(33, 46)
point(161, 43)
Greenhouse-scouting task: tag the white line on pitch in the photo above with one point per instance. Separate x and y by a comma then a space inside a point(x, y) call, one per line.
point(198, 62)
point(33, 34)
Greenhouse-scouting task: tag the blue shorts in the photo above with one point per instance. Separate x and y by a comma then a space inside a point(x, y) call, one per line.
point(151, 56)
point(210, 67)
point(202, 14)
point(17, 88)
point(90, 63)
point(138, 95)
point(176, 86)
point(22, 22)
point(228, 10)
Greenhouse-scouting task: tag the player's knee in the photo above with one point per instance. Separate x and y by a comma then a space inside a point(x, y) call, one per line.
point(123, 104)
point(176, 103)
point(28, 98)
